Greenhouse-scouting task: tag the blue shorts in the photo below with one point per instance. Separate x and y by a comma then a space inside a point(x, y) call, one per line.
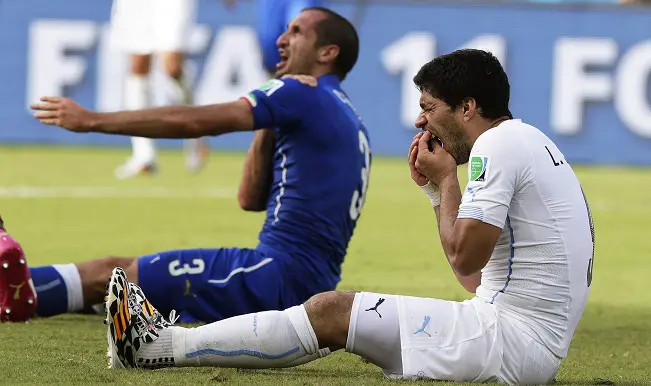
point(206, 285)
point(272, 19)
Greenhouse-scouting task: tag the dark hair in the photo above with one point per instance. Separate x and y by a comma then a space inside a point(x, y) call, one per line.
point(464, 74)
point(336, 30)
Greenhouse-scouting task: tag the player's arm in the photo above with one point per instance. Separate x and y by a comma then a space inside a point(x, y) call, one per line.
point(161, 122)
point(279, 103)
point(452, 196)
point(258, 172)
point(276, 103)
point(468, 243)
point(450, 201)
point(470, 225)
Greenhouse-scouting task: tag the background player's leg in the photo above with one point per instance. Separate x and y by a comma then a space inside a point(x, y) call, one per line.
point(181, 93)
point(174, 20)
point(130, 23)
point(137, 97)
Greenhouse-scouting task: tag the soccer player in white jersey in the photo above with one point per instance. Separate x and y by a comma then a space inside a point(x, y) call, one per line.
point(142, 28)
point(520, 237)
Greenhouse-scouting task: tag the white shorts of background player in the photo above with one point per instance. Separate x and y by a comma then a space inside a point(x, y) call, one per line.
point(152, 26)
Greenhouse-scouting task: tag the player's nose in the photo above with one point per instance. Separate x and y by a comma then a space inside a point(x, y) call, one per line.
point(421, 121)
point(282, 40)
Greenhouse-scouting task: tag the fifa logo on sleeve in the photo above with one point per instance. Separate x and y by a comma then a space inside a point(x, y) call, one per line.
point(478, 168)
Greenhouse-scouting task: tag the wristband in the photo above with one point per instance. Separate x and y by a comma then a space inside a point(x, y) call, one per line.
point(432, 192)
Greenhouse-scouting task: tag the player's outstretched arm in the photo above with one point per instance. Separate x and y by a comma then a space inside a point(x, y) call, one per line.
point(162, 122)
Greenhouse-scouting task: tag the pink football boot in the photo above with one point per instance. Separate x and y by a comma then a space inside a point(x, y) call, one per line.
point(17, 294)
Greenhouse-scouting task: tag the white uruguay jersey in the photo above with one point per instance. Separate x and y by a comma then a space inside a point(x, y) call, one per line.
point(540, 271)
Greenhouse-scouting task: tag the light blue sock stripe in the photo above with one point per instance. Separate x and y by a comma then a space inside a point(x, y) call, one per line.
point(233, 353)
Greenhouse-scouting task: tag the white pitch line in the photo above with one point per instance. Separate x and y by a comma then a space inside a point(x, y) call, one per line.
point(112, 192)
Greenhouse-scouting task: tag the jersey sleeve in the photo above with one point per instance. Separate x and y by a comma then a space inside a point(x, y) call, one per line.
point(280, 103)
point(496, 169)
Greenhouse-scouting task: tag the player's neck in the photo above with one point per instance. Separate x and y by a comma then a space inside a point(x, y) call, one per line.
point(321, 71)
point(484, 125)
point(497, 121)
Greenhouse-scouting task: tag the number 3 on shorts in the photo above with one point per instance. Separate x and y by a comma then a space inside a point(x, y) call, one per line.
point(196, 268)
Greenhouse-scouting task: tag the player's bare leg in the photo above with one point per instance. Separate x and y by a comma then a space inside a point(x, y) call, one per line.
point(94, 275)
point(136, 97)
point(74, 288)
point(196, 150)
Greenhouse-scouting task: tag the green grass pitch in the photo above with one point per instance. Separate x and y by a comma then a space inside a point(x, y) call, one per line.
point(64, 205)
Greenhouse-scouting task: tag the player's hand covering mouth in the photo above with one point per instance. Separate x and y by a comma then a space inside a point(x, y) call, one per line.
point(284, 56)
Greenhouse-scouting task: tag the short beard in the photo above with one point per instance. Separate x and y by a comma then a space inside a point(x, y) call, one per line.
point(459, 145)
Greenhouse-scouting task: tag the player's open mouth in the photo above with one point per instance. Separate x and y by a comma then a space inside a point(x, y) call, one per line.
point(283, 60)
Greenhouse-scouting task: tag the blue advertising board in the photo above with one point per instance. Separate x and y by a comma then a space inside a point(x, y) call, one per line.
point(580, 74)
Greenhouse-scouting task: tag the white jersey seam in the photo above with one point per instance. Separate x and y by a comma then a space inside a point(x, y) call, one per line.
point(281, 184)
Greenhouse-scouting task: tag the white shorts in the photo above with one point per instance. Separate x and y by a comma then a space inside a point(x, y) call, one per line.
point(465, 341)
point(152, 26)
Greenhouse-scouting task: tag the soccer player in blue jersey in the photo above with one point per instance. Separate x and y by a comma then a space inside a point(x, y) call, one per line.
point(308, 168)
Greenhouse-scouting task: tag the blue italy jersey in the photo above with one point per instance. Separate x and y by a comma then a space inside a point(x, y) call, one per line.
point(321, 173)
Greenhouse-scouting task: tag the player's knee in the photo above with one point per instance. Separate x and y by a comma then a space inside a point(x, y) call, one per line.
point(99, 270)
point(329, 314)
point(94, 275)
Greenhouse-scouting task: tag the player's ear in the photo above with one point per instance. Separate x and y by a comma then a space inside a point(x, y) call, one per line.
point(328, 54)
point(469, 107)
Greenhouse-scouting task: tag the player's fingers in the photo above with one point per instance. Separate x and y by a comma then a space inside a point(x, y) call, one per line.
point(44, 106)
point(412, 158)
point(46, 114)
point(412, 147)
point(50, 99)
point(54, 122)
point(414, 143)
point(309, 80)
point(436, 145)
point(414, 140)
point(423, 146)
point(305, 79)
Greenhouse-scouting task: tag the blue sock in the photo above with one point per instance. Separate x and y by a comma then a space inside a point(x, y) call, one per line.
point(58, 288)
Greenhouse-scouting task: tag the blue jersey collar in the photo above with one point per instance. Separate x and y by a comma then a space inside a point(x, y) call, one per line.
point(330, 79)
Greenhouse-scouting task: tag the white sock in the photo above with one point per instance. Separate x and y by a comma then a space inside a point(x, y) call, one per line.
point(270, 339)
point(136, 98)
point(70, 275)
